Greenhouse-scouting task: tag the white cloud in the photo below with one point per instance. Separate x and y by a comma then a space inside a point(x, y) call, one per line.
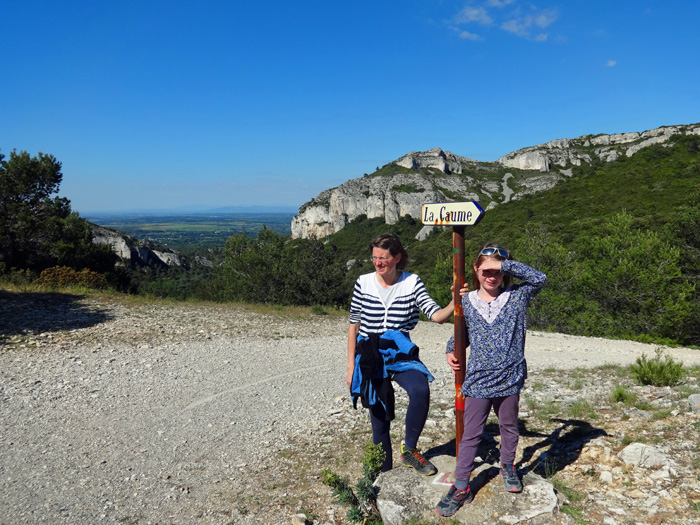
point(545, 18)
point(522, 25)
point(518, 21)
point(473, 14)
point(466, 35)
point(517, 27)
point(611, 63)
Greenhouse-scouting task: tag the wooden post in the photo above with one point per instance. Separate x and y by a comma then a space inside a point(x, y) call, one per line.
point(458, 215)
point(460, 329)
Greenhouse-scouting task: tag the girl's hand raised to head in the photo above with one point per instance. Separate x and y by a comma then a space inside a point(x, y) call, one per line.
point(489, 263)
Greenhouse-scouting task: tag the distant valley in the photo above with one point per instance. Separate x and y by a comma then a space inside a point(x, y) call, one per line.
point(177, 231)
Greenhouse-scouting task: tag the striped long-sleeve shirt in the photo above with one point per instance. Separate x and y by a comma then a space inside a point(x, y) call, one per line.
point(402, 313)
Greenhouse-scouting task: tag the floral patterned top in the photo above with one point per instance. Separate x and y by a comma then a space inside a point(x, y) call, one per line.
point(496, 366)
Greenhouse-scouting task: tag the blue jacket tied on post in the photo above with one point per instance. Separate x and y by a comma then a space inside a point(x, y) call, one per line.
point(377, 357)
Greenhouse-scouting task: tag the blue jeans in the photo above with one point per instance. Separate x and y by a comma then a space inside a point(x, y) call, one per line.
point(416, 386)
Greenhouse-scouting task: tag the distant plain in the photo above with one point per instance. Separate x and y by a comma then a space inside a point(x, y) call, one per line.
point(177, 231)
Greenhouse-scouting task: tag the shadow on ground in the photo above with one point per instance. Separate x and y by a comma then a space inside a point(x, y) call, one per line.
point(551, 453)
point(24, 313)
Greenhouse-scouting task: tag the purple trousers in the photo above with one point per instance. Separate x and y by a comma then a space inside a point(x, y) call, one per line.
point(476, 412)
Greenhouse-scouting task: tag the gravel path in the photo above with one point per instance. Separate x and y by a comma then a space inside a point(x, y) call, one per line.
point(115, 412)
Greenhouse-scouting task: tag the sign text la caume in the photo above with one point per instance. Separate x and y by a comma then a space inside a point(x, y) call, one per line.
point(451, 213)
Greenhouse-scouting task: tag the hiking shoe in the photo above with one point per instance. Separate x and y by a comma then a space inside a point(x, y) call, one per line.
point(511, 481)
point(453, 501)
point(412, 458)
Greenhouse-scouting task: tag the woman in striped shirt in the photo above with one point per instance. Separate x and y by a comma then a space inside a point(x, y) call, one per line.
point(391, 299)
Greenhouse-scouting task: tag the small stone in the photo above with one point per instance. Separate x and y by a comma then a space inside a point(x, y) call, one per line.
point(662, 473)
point(694, 401)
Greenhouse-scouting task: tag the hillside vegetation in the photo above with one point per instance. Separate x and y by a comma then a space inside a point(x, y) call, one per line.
point(619, 241)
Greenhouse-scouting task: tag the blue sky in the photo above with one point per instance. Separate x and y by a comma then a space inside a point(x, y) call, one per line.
point(163, 104)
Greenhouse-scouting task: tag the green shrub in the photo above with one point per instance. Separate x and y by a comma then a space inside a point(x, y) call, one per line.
point(621, 394)
point(21, 279)
point(660, 370)
point(341, 487)
point(634, 276)
point(406, 188)
point(317, 309)
point(274, 269)
point(63, 276)
point(373, 460)
point(362, 504)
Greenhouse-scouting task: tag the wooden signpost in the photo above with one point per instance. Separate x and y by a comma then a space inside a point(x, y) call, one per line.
point(458, 215)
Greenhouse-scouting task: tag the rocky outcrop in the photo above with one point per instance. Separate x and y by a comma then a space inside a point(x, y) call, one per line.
point(564, 153)
point(133, 253)
point(404, 185)
point(542, 157)
point(434, 158)
point(390, 197)
point(408, 498)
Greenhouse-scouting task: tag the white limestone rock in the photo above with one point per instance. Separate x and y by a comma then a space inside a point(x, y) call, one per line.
point(131, 252)
point(393, 196)
point(444, 161)
point(694, 402)
point(645, 456)
point(168, 258)
point(113, 239)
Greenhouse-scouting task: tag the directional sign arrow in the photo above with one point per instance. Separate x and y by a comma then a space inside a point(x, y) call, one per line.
point(466, 213)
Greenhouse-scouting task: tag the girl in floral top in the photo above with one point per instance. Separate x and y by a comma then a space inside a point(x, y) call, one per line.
point(495, 315)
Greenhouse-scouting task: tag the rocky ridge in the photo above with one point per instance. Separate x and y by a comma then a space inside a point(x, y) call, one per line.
point(133, 253)
point(404, 185)
point(118, 411)
point(564, 153)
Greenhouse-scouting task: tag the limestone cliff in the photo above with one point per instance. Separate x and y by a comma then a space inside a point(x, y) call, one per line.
point(133, 253)
point(564, 153)
point(402, 186)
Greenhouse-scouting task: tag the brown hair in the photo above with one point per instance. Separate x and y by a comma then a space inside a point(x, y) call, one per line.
point(507, 278)
point(391, 242)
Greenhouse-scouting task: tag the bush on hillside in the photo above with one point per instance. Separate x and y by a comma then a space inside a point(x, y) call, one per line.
point(63, 277)
point(275, 269)
point(634, 277)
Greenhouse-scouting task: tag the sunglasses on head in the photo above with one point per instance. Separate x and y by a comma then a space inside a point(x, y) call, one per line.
point(491, 251)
